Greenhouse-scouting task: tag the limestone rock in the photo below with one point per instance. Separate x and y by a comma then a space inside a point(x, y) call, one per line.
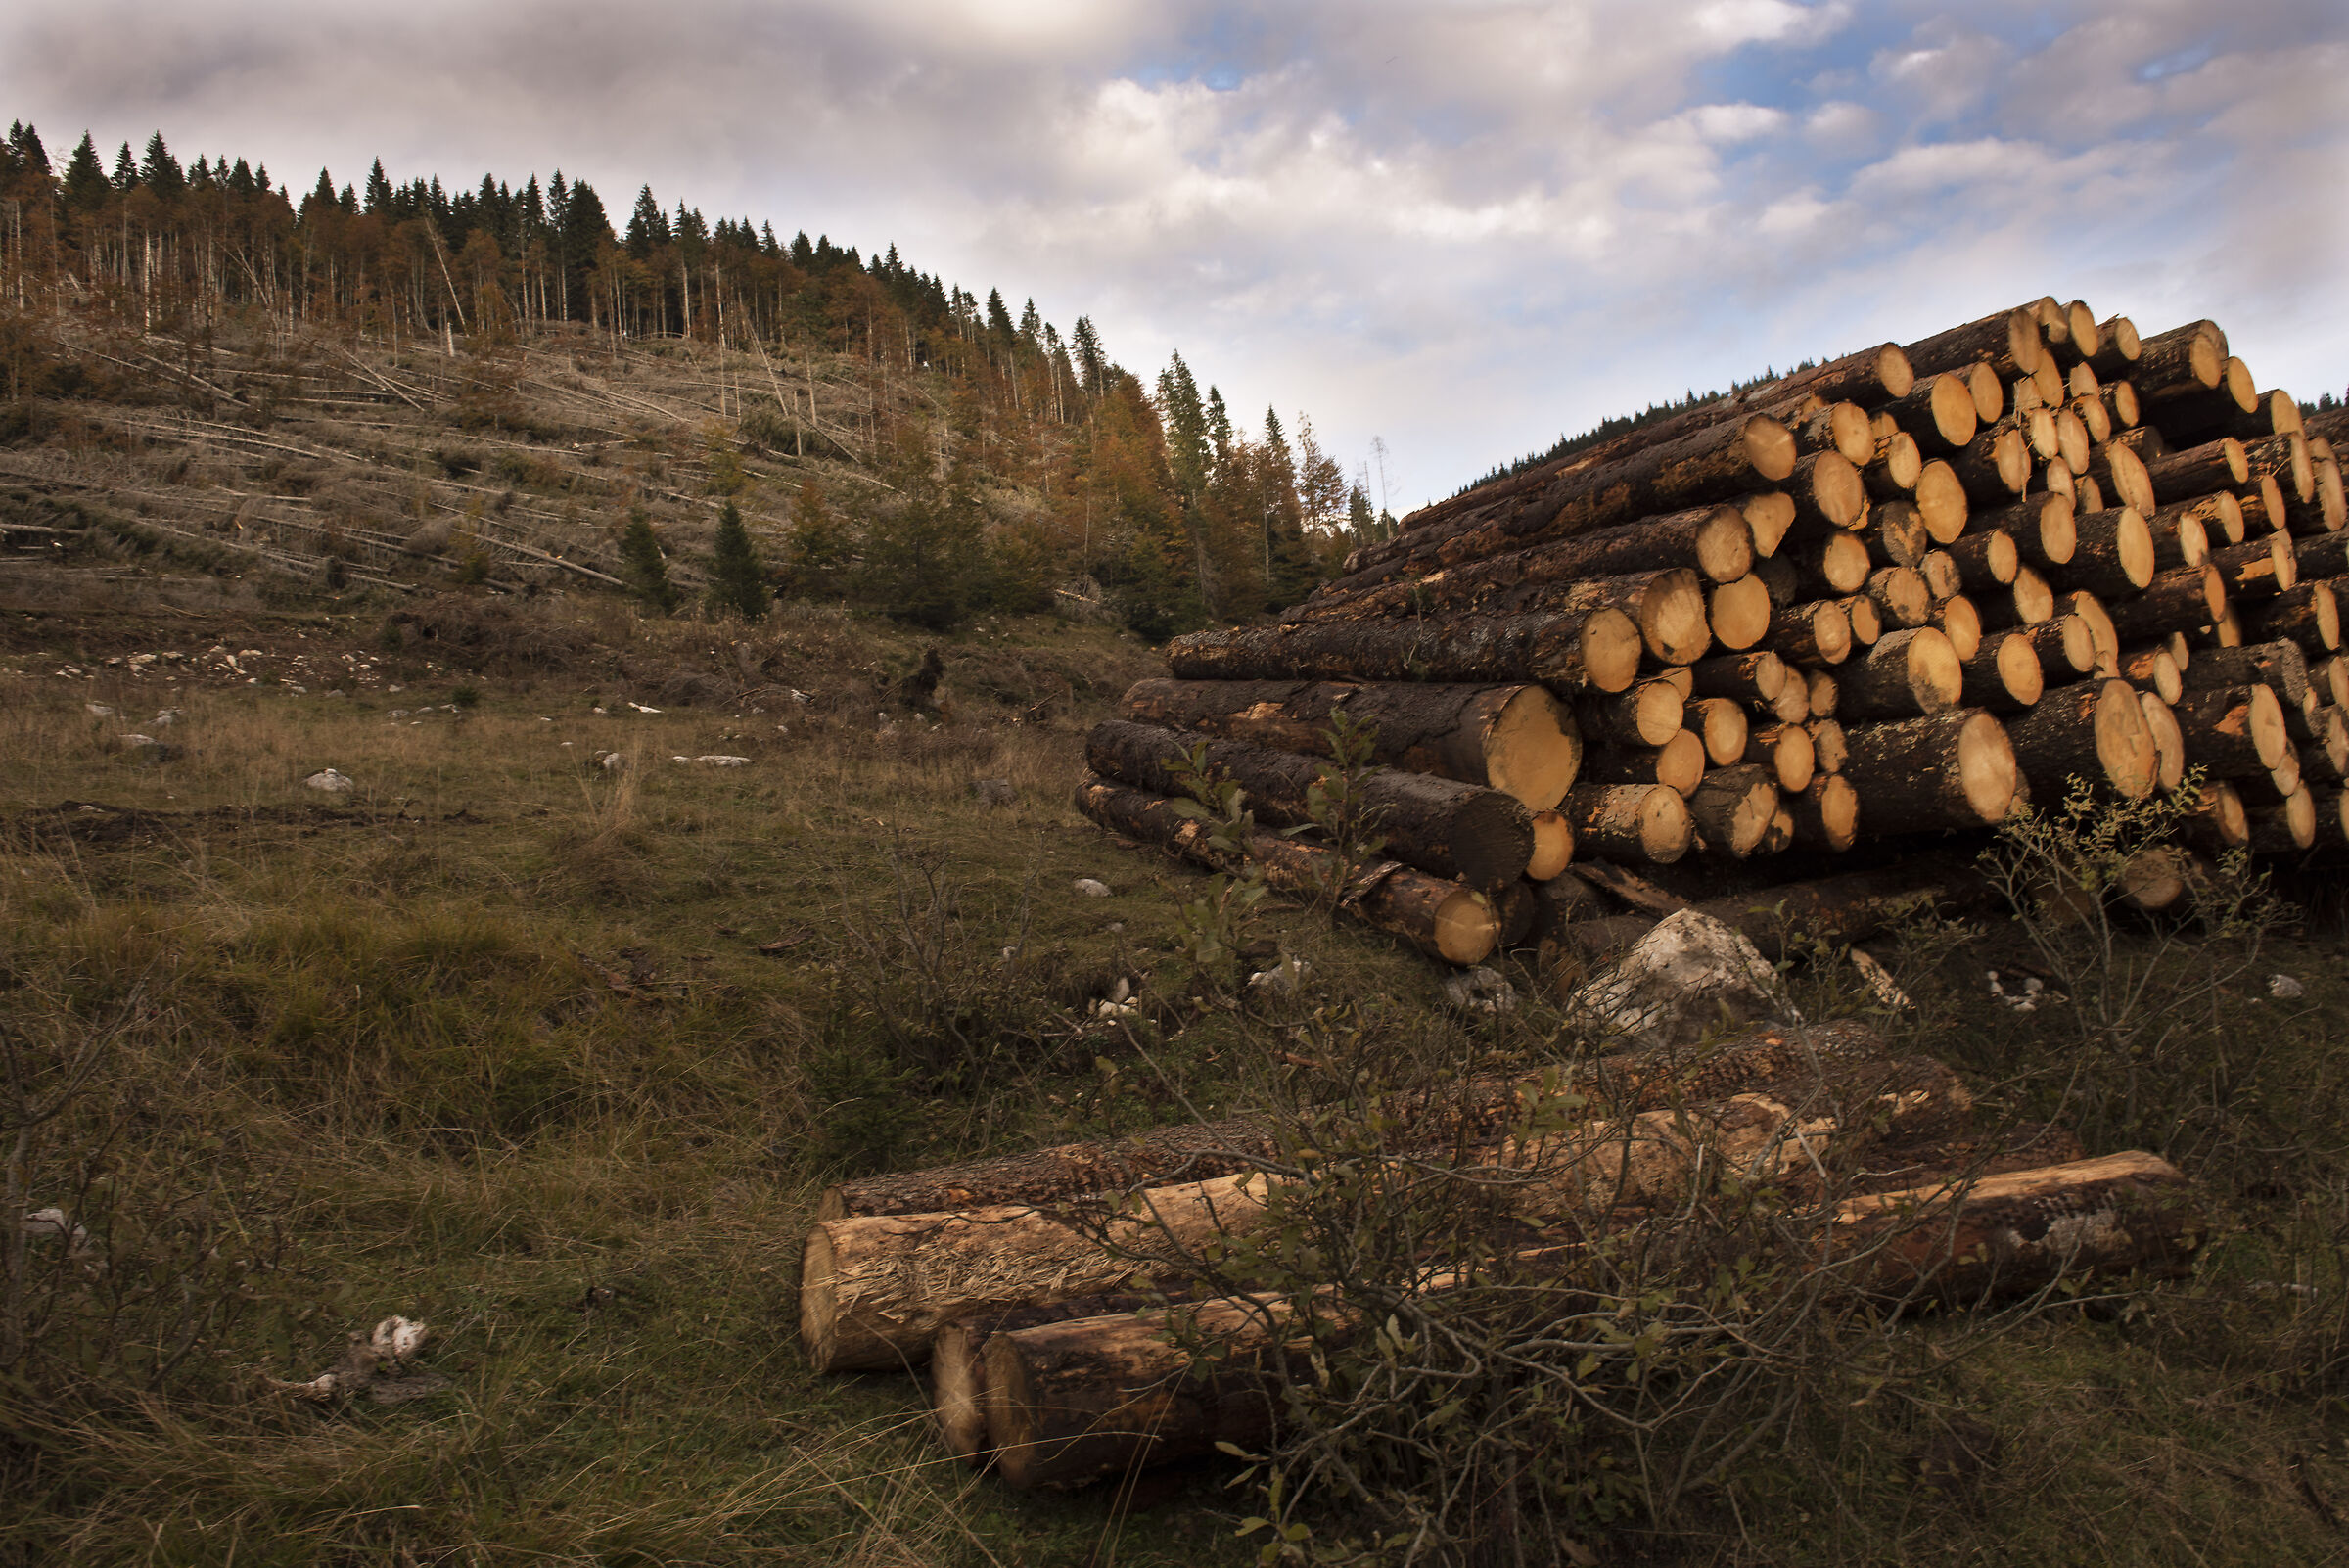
point(1689, 975)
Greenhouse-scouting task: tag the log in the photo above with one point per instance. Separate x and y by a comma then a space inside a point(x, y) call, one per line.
point(2121, 472)
point(2004, 675)
point(1954, 770)
point(2284, 459)
point(1988, 393)
point(1938, 414)
point(1824, 815)
point(2090, 611)
point(1769, 514)
point(1517, 739)
point(1987, 558)
point(2043, 529)
point(1732, 808)
point(1827, 748)
point(2072, 446)
point(2065, 647)
point(2180, 536)
point(1629, 822)
point(1823, 692)
point(1826, 568)
point(1648, 715)
point(2169, 742)
point(1891, 474)
point(2113, 554)
point(1901, 596)
point(2275, 787)
point(2308, 615)
point(2182, 597)
point(1907, 673)
point(2094, 731)
point(958, 1366)
point(1996, 465)
point(1678, 765)
point(2182, 362)
point(1747, 677)
point(2010, 341)
point(2322, 556)
point(2257, 569)
point(2201, 415)
point(1447, 829)
point(1819, 633)
point(1860, 613)
point(2060, 478)
point(2264, 509)
point(2218, 465)
point(2279, 667)
point(2329, 512)
point(1940, 499)
point(1956, 618)
point(2071, 334)
point(2093, 416)
point(1827, 490)
point(1667, 603)
point(1598, 649)
point(2218, 822)
point(2231, 731)
point(1943, 579)
point(2119, 399)
point(1896, 534)
point(1786, 750)
point(1441, 918)
point(1554, 846)
point(2119, 348)
point(1737, 613)
point(2151, 667)
point(2287, 828)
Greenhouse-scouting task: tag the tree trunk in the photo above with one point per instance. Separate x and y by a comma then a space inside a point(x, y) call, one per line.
point(1954, 770)
point(2004, 675)
point(1732, 808)
point(2257, 569)
point(2122, 474)
point(2008, 341)
point(1629, 822)
point(2218, 465)
point(2153, 668)
point(1938, 414)
point(2176, 600)
point(1786, 750)
point(1595, 649)
point(2179, 363)
point(1987, 560)
point(1517, 739)
point(1995, 466)
point(1907, 673)
point(1445, 828)
point(1826, 813)
point(2231, 731)
point(2308, 615)
point(1441, 919)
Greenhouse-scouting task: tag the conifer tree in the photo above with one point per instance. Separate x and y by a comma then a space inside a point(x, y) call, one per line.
point(738, 582)
point(126, 170)
point(647, 568)
point(818, 553)
point(26, 143)
point(379, 190)
point(86, 187)
point(648, 226)
point(159, 171)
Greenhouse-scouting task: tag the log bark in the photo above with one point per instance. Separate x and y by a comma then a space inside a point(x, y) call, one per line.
point(2043, 527)
point(2175, 600)
point(2122, 475)
point(1786, 750)
point(1596, 649)
point(1954, 770)
point(2257, 569)
point(2119, 346)
point(1824, 814)
point(1517, 739)
point(2093, 730)
point(1861, 615)
point(2229, 408)
point(2065, 647)
point(1938, 414)
point(2182, 362)
point(2218, 465)
point(1891, 474)
point(2004, 675)
point(1827, 746)
point(2287, 828)
point(2120, 405)
point(2181, 535)
point(1447, 829)
point(1896, 534)
point(1629, 822)
point(1905, 674)
point(2151, 667)
point(1746, 678)
point(1995, 466)
point(2284, 459)
point(1828, 567)
point(1732, 808)
point(2010, 341)
point(2232, 732)
point(1441, 919)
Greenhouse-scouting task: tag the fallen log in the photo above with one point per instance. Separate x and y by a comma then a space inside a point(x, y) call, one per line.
point(1679, 765)
point(1907, 673)
point(2232, 732)
point(1441, 918)
point(2309, 615)
point(2179, 598)
point(2281, 666)
point(2004, 676)
point(1480, 837)
point(1567, 651)
point(2112, 553)
point(1517, 739)
point(1732, 808)
point(1824, 815)
point(1629, 822)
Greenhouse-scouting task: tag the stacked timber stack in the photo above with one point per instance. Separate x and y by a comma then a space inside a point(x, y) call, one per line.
point(1066, 1306)
point(1892, 594)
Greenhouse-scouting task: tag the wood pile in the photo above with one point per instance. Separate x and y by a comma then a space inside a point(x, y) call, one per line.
point(1896, 594)
point(1065, 1304)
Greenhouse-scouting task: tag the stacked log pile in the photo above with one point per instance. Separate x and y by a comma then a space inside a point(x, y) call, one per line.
point(1896, 594)
point(1066, 1305)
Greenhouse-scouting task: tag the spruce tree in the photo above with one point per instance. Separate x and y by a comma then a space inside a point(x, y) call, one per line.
point(159, 171)
point(86, 187)
point(647, 569)
point(379, 190)
point(126, 170)
point(738, 582)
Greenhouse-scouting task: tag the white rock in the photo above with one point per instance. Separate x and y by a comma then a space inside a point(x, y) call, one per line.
point(1110, 1009)
point(718, 760)
point(2285, 987)
point(610, 761)
point(1283, 979)
point(1689, 975)
point(333, 782)
point(99, 709)
point(165, 719)
point(1093, 888)
point(138, 740)
point(1480, 990)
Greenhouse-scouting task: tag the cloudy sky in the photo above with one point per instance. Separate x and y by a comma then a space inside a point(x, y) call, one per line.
point(1463, 227)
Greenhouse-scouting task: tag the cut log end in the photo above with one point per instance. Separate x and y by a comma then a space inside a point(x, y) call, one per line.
point(1771, 447)
point(1739, 616)
point(1467, 928)
point(1532, 750)
point(957, 1390)
point(1554, 846)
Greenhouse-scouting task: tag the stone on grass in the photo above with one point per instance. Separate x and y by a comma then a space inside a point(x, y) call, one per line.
point(1093, 888)
point(331, 782)
point(1480, 990)
point(1690, 975)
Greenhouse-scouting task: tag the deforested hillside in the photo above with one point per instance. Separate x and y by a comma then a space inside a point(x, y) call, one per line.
point(389, 388)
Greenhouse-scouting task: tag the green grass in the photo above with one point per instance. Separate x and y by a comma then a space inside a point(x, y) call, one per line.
point(490, 1042)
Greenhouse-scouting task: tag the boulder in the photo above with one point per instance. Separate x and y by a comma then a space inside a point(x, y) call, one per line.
point(1690, 975)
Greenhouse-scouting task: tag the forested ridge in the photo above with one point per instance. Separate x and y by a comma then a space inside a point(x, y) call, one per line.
point(891, 438)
